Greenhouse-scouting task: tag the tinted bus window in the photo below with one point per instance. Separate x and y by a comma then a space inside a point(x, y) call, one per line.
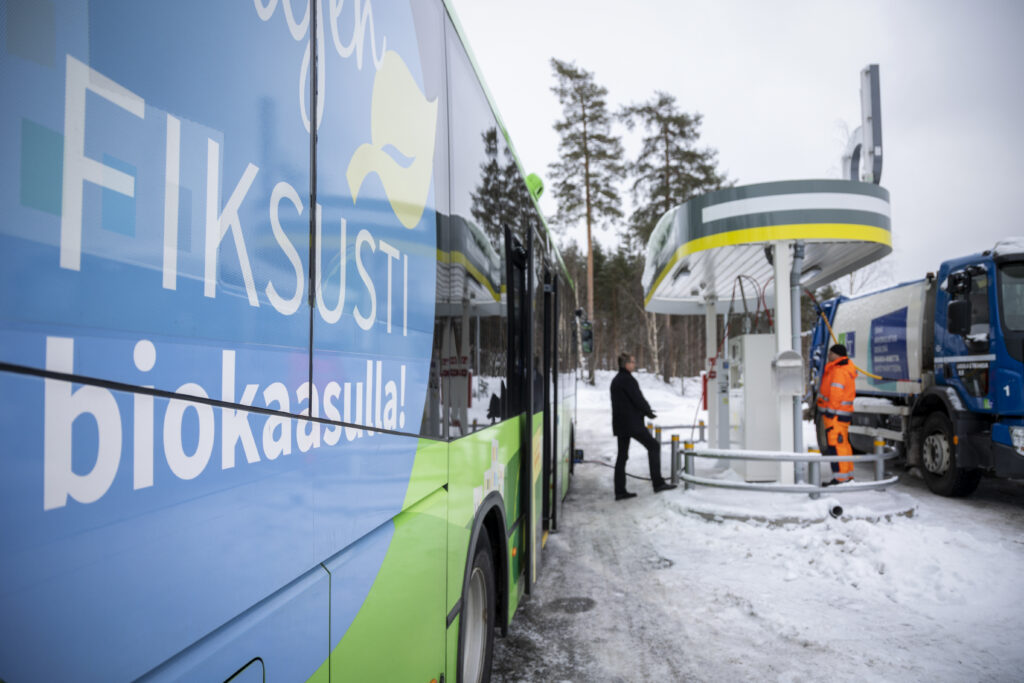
point(473, 320)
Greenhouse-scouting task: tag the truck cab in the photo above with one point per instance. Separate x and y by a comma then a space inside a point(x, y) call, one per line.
point(979, 354)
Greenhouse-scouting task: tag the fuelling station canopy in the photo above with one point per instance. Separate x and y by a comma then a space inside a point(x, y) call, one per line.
point(700, 248)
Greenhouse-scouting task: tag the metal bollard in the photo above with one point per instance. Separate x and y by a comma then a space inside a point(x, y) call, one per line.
point(675, 458)
point(879, 464)
point(657, 435)
point(815, 474)
point(702, 439)
point(650, 427)
point(800, 472)
point(689, 469)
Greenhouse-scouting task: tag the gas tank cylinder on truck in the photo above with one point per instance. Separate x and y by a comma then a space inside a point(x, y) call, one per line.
point(889, 334)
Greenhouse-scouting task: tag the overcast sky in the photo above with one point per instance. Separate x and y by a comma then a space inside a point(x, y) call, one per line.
point(778, 86)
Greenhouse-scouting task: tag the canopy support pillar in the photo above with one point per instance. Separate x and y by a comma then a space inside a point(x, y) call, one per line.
point(717, 384)
point(783, 262)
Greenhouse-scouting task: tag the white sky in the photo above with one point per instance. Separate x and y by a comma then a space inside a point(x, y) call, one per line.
point(778, 85)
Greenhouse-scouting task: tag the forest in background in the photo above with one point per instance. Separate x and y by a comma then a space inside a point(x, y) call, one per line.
point(589, 180)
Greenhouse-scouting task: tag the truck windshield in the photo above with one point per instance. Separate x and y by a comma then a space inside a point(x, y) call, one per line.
point(1011, 294)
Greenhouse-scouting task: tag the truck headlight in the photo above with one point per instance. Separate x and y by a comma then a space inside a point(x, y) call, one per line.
point(1017, 437)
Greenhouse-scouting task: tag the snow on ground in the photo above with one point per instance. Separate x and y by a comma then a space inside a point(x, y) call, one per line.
point(767, 586)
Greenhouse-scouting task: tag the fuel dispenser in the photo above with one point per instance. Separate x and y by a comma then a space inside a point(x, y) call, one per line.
point(753, 416)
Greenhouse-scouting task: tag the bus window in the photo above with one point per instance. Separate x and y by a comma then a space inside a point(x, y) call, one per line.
point(474, 335)
point(433, 422)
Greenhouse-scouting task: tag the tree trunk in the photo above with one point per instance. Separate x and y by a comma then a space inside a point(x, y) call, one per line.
point(615, 324)
point(697, 354)
point(590, 242)
point(651, 319)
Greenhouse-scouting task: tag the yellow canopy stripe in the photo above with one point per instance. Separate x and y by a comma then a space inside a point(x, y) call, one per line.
point(804, 231)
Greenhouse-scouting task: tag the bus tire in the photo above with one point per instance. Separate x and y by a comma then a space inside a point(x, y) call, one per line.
point(939, 464)
point(479, 606)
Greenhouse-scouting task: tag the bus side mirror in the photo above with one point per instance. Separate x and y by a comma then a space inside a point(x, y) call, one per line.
point(958, 317)
point(587, 336)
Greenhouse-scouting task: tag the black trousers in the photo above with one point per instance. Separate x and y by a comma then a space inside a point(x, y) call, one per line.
point(653, 458)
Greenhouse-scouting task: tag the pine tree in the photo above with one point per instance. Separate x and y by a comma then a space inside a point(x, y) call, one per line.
point(584, 179)
point(668, 171)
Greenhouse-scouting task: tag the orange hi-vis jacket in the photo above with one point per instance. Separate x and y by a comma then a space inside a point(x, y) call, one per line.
point(838, 388)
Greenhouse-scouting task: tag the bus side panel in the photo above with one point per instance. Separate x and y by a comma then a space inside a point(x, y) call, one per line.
point(483, 462)
point(285, 636)
point(398, 631)
point(452, 648)
point(516, 569)
point(539, 536)
point(153, 192)
point(565, 411)
point(157, 559)
point(131, 538)
point(381, 181)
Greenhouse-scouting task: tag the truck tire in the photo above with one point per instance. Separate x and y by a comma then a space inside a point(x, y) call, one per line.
point(939, 460)
point(479, 607)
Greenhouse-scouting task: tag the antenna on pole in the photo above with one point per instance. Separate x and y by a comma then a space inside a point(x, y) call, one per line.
point(865, 143)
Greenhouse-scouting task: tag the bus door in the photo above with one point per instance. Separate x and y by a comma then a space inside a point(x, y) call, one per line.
point(519, 267)
point(550, 400)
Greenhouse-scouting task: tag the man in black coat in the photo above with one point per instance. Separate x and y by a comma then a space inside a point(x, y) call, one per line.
point(629, 407)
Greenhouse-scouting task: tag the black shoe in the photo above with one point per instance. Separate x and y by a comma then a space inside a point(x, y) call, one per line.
point(624, 495)
point(663, 486)
point(832, 482)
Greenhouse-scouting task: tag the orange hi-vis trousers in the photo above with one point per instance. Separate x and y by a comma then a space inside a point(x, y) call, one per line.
point(837, 436)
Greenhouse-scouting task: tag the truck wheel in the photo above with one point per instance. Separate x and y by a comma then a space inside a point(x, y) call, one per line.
point(476, 626)
point(939, 460)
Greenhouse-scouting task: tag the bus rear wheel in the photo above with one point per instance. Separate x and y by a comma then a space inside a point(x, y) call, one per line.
point(479, 604)
point(939, 463)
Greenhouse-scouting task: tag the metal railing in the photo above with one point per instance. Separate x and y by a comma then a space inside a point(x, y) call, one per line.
point(688, 453)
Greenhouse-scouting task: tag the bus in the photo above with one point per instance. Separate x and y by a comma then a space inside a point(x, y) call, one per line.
point(287, 353)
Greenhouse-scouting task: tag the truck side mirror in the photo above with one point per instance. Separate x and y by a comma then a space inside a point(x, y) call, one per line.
point(587, 336)
point(958, 317)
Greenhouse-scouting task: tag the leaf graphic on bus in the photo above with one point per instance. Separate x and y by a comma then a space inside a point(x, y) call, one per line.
point(401, 151)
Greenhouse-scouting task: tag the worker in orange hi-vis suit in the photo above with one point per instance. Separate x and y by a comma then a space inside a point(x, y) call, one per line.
point(835, 403)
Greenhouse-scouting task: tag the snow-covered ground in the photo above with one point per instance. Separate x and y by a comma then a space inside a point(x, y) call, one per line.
point(906, 586)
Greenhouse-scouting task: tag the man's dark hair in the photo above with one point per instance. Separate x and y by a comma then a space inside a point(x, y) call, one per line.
point(838, 349)
point(623, 359)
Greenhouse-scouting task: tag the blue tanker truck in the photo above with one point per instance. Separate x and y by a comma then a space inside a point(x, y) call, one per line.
point(941, 364)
